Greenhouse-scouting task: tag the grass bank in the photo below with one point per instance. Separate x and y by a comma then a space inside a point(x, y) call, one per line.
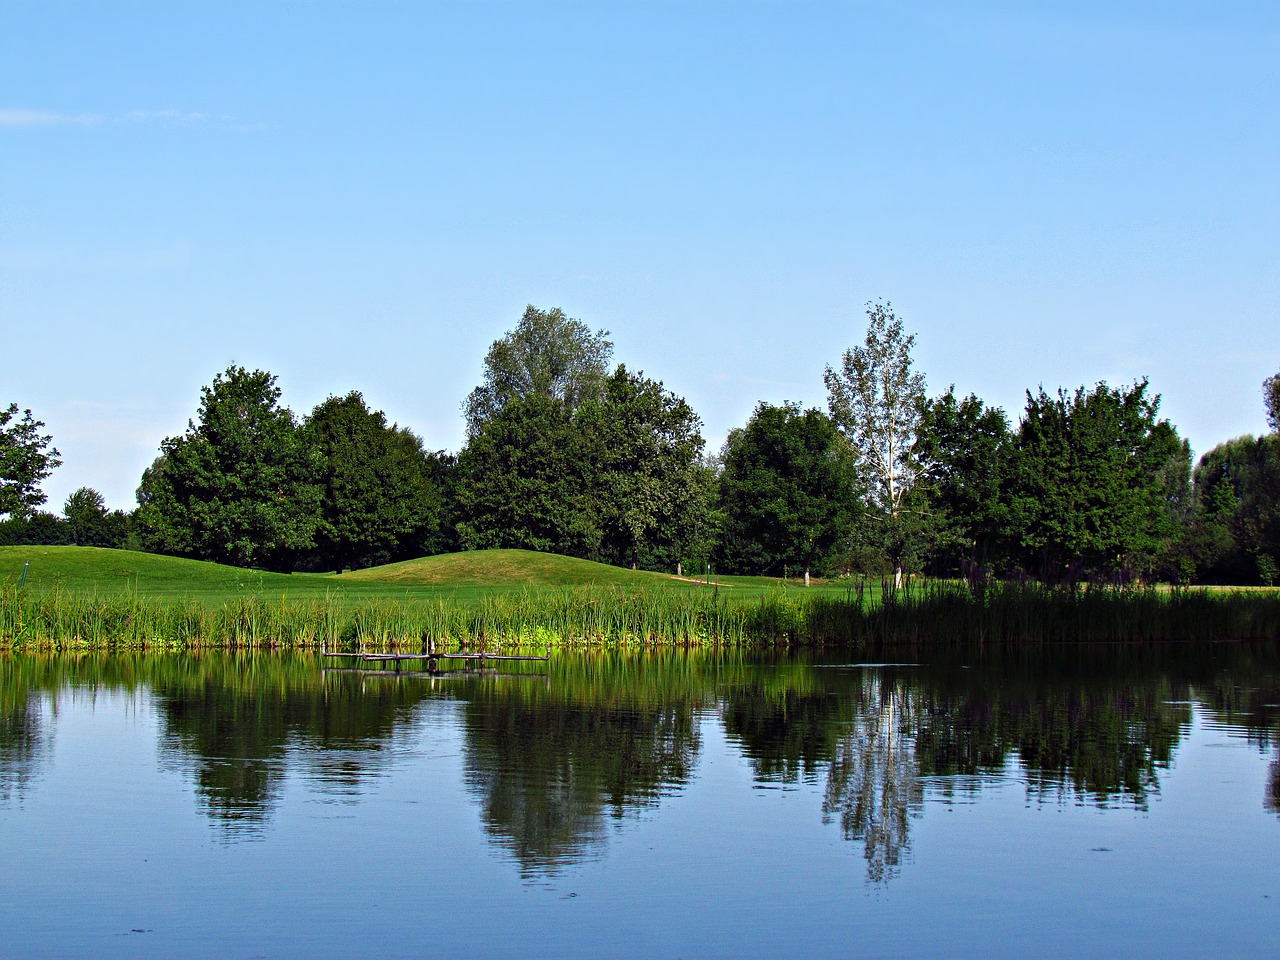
point(609, 616)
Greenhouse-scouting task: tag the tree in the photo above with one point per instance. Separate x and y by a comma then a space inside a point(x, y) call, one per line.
point(35, 528)
point(241, 485)
point(1089, 480)
point(547, 355)
point(26, 458)
point(786, 491)
point(643, 470)
point(966, 448)
point(90, 524)
point(1235, 534)
point(377, 483)
point(875, 401)
point(520, 482)
point(620, 479)
point(1271, 397)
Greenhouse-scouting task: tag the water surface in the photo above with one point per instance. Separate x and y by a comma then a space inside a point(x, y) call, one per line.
point(1053, 804)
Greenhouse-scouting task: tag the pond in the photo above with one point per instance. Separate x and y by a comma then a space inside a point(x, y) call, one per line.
point(1053, 803)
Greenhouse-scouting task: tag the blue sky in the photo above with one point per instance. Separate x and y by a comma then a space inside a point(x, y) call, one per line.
point(364, 195)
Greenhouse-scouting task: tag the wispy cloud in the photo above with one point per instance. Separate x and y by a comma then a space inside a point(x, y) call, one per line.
point(18, 117)
point(165, 116)
point(10, 117)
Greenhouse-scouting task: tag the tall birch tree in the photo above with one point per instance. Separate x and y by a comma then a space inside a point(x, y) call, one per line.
point(876, 401)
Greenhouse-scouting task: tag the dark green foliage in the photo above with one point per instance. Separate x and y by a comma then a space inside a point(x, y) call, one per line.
point(241, 486)
point(547, 355)
point(90, 524)
point(787, 491)
point(1235, 534)
point(26, 458)
point(1090, 482)
point(36, 528)
point(380, 500)
point(968, 449)
point(618, 479)
point(521, 482)
point(643, 448)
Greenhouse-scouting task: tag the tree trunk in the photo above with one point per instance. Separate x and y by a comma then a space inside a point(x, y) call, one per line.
point(679, 569)
point(897, 578)
point(806, 576)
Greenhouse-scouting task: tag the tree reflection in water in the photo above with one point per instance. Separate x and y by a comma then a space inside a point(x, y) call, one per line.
point(23, 745)
point(873, 782)
point(553, 761)
point(551, 764)
point(238, 724)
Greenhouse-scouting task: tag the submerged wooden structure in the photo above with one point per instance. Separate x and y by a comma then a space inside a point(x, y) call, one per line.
point(431, 657)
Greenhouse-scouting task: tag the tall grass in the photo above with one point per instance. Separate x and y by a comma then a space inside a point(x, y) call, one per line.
point(932, 614)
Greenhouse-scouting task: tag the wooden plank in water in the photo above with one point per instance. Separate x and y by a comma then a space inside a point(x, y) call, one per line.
point(387, 657)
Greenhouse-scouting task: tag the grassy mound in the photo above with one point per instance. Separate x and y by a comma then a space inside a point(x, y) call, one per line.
point(111, 571)
point(472, 574)
point(504, 568)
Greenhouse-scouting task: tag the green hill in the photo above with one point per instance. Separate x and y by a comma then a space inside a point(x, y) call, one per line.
point(469, 574)
point(512, 568)
point(114, 571)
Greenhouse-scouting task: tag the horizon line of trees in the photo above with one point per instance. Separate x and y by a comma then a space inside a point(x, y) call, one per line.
point(570, 454)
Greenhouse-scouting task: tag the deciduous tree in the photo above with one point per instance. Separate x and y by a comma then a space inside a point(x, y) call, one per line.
point(643, 449)
point(876, 400)
point(1235, 534)
point(1089, 484)
point(786, 491)
point(27, 457)
point(1271, 398)
point(966, 447)
point(377, 483)
point(90, 524)
point(547, 355)
point(241, 486)
point(521, 482)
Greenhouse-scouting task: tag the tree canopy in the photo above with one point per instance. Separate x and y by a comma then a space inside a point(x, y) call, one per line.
point(786, 491)
point(241, 486)
point(876, 401)
point(1271, 399)
point(1089, 479)
point(521, 482)
point(90, 524)
point(966, 448)
point(1235, 533)
point(548, 355)
point(379, 494)
point(617, 479)
point(27, 457)
point(645, 447)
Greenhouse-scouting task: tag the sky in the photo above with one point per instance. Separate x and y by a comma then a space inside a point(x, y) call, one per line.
point(365, 195)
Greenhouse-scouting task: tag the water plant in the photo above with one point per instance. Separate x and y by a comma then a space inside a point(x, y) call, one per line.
point(929, 614)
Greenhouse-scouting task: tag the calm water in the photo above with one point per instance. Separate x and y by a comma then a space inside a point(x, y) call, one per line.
point(1073, 804)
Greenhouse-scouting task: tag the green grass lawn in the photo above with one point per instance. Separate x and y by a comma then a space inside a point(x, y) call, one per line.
point(462, 576)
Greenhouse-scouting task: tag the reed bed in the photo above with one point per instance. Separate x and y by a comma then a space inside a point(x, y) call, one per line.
point(610, 617)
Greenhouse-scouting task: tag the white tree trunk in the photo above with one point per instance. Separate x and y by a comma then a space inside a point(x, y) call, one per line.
point(806, 576)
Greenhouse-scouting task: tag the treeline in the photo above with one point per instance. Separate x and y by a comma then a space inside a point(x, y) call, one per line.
point(568, 453)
